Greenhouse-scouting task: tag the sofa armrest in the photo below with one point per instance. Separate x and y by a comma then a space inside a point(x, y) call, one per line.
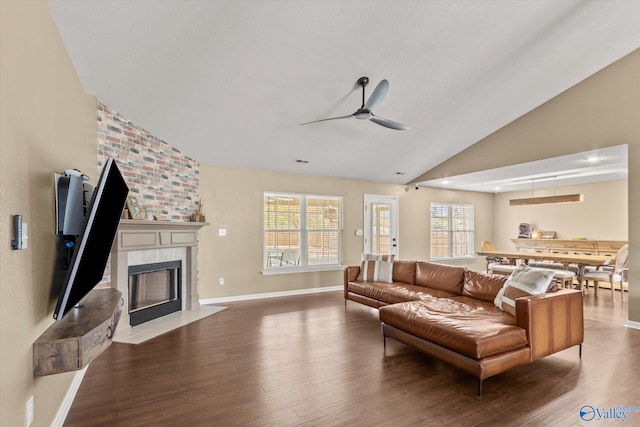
point(554, 321)
point(350, 275)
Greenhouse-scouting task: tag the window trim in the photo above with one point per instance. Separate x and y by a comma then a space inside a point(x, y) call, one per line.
point(471, 253)
point(303, 267)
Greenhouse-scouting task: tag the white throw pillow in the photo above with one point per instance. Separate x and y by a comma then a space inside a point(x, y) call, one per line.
point(524, 281)
point(378, 257)
point(376, 271)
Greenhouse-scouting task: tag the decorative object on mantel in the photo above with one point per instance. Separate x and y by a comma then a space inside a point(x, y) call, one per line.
point(161, 217)
point(198, 216)
point(134, 208)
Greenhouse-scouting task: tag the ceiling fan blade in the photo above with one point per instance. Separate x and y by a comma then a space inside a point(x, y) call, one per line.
point(331, 118)
point(377, 96)
point(388, 123)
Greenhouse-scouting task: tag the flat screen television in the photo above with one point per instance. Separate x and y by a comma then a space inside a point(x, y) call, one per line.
point(93, 245)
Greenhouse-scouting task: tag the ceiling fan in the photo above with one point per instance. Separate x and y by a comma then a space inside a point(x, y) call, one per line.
point(365, 113)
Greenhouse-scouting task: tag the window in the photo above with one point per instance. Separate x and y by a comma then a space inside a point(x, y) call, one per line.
point(302, 232)
point(451, 231)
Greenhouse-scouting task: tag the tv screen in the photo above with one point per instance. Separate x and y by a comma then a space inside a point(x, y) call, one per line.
point(93, 245)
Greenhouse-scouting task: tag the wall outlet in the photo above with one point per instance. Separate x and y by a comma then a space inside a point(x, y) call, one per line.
point(222, 232)
point(220, 281)
point(29, 410)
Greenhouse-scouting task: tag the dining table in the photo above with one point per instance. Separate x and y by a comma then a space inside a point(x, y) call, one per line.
point(581, 261)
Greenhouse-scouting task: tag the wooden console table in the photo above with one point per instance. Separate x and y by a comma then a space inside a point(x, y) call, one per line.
point(592, 247)
point(80, 336)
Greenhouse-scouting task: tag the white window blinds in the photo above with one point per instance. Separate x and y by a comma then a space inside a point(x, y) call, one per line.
point(302, 231)
point(451, 230)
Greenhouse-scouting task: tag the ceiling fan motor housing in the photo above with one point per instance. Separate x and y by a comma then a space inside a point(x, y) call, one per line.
point(363, 114)
point(363, 81)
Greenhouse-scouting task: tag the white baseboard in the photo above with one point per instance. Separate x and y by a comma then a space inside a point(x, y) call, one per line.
point(633, 325)
point(271, 295)
point(63, 410)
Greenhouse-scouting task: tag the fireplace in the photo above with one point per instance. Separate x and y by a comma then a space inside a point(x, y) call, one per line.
point(154, 290)
point(144, 242)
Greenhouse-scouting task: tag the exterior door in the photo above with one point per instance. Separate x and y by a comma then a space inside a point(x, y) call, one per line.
point(380, 224)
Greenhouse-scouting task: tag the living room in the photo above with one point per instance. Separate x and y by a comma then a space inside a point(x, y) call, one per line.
point(49, 124)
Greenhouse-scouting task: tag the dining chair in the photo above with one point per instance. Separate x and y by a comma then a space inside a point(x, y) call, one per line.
point(610, 274)
point(564, 278)
point(496, 265)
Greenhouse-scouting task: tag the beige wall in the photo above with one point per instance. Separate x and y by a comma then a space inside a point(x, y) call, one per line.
point(47, 124)
point(601, 111)
point(233, 200)
point(602, 215)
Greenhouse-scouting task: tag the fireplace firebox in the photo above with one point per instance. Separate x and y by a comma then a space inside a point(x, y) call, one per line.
point(154, 290)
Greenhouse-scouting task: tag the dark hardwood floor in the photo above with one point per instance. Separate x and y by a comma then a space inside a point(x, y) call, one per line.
point(308, 360)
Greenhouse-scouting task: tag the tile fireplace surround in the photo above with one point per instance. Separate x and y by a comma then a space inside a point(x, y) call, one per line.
point(140, 242)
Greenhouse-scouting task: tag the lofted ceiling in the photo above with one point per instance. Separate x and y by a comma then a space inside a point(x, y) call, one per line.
point(229, 82)
point(605, 164)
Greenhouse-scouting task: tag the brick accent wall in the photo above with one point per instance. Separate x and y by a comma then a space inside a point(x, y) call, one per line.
point(164, 181)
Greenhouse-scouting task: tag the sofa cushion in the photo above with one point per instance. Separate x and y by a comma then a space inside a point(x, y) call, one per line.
point(376, 271)
point(404, 271)
point(471, 303)
point(392, 293)
point(465, 325)
point(439, 276)
point(524, 281)
point(378, 257)
point(483, 286)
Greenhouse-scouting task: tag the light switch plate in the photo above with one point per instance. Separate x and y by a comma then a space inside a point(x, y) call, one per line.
point(25, 235)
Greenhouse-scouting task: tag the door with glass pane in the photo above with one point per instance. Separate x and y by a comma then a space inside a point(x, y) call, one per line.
point(380, 224)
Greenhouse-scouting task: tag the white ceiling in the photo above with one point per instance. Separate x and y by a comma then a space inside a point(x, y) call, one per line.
point(605, 164)
point(228, 82)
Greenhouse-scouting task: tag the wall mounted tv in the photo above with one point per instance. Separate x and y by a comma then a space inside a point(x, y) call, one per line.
point(93, 246)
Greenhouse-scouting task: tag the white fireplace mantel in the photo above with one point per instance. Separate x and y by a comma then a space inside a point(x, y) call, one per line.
point(140, 235)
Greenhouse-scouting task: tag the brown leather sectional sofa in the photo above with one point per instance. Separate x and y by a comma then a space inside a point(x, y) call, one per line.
point(448, 312)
